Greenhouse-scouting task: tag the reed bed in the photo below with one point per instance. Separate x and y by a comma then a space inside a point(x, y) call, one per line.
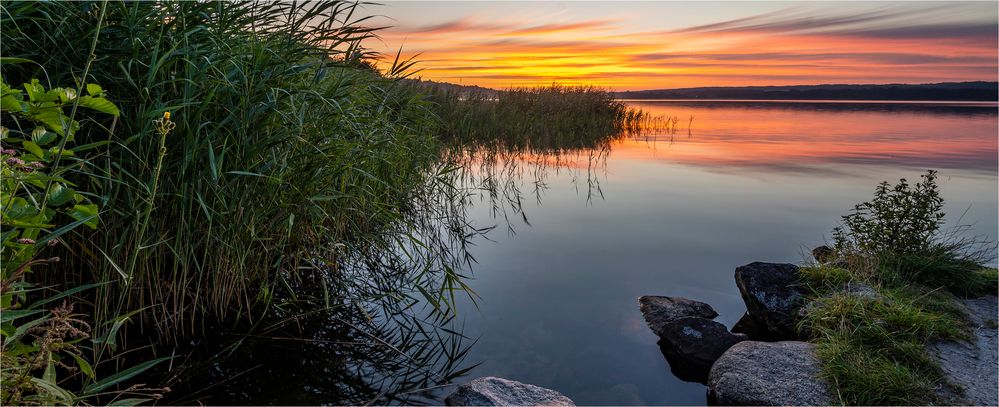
point(292, 160)
point(552, 117)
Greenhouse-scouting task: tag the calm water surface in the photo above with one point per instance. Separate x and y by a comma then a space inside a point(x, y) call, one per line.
point(674, 215)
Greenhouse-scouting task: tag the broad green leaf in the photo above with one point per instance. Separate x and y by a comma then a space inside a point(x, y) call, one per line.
point(84, 365)
point(51, 116)
point(89, 212)
point(33, 149)
point(9, 103)
point(34, 90)
point(46, 138)
point(99, 104)
point(122, 376)
point(95, 90)
point(18, 209)
point(60, 194)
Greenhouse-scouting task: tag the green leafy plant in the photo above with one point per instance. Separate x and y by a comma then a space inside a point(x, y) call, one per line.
point(896, 237)
point(46, 352)
point(901, 219)
point(34, 189)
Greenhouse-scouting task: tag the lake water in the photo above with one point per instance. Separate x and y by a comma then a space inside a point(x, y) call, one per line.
point(558, 281)
point(581, 234)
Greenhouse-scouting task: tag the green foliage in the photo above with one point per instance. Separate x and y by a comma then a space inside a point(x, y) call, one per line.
point(35, 195)
point(874, 349)
point(896, 239)
point(45, 352)
point(901, 219)
point(824, 278)
point(291, 171)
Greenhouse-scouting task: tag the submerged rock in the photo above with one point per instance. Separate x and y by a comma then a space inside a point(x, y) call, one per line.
point(691, 345)
point(773, 293)
point(972, 365)
point(659, 311)
point(494, 391)
point(768, 373)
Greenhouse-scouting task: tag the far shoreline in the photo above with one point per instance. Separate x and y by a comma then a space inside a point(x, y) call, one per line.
point(968, 103)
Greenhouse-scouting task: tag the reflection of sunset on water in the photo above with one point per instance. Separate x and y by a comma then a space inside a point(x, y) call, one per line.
point(727, 134)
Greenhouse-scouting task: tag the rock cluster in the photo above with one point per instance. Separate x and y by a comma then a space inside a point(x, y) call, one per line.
point(746, 365)
point(688, 337)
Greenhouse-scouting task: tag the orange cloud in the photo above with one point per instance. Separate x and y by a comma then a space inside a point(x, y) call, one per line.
point(789, 46)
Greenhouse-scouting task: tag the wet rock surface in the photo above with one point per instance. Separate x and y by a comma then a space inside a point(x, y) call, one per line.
point(660, 311)
point(495, 391)
point(768, 373)
point(773, 293)
point(972, 365)
point(691, 345)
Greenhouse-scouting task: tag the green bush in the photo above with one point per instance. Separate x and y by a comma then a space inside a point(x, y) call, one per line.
point(896, 238)
point(901, 219)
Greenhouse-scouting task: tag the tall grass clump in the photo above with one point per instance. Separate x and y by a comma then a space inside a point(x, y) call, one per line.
point(873, 347)
point(287, 167)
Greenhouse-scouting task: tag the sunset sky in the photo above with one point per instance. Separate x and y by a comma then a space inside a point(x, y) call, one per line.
point(654, 45)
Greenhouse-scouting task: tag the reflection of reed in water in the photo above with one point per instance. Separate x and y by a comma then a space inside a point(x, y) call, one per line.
point(343, 356)
point(504, 178)
point(511, 140)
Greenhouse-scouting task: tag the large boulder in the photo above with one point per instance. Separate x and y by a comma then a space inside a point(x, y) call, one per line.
point(692, 344)
point(659, 311)
point(494, 391)
point(971, 365)
point(768, 374)
point(773, 293)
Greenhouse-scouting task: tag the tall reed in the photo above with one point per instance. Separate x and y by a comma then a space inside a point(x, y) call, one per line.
point(292, 162)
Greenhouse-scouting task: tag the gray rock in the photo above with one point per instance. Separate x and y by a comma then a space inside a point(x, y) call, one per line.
point(659, 311)
point(494, 391)
point(691, 345)
point(773, 294)
point(768, 374)
point(972, 365)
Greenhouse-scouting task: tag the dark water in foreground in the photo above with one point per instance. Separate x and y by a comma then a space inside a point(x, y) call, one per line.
point(676, 215)
point(581, 234)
